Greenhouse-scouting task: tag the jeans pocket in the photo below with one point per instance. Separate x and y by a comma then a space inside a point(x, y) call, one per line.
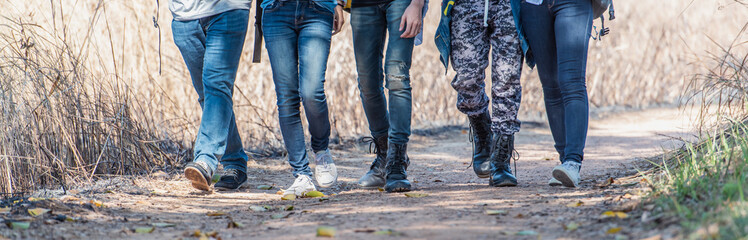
point(273, 6)
point(317, 7)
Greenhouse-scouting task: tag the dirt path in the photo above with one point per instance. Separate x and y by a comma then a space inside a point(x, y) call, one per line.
point(455, 207)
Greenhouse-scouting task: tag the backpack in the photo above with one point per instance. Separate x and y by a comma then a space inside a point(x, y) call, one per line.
point(598, 8)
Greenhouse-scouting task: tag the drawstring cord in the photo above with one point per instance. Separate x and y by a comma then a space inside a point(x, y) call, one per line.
point(485, 14)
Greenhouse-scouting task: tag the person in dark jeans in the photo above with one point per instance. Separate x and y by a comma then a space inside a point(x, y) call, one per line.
point(298, 34)
point(210, 36)
point(558, 33)
point(372, 21)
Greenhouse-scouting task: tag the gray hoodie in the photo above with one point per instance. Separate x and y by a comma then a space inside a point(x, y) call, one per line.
point(185, 10)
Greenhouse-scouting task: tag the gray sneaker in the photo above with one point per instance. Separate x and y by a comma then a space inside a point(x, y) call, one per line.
point(325, 171)
point(568, 173)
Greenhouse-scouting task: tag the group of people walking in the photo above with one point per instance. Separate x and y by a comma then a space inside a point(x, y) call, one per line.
point(552, 34)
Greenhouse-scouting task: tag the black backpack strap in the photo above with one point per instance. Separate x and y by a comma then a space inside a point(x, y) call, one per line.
point(257, 54)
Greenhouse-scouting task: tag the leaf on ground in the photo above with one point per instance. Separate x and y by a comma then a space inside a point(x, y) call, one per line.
point(256, 208)
point(495, 212)
point(34, 199)
point(145, 229)
point(380, 189)
point(325, 232)
point(216, 213)
point(415, 195)
point(34, 212)
point(163, 225)
point(571, 226)
point(97, 203)
point(575, 204)
point(108, 191)
point(607, 182)
point(288, 208)
point(216, 178)
point(613, 230)
point(609, 214)
point(314, 194)
point(234, 224)
point(289, 197)
point(527, 233)
point(5, 210)
point(264, 187)
point(279, 192)
point(388, 232)
point(280, 215)
point(19, 225)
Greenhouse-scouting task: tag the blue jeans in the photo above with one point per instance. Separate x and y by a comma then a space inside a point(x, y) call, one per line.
point(370, 26)
point(297, 34)
point(558, 32)
point(216, 41)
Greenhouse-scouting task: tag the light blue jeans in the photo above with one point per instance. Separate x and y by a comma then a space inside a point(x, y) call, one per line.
point(297, 34)
point(211, 47)
point(371, 26)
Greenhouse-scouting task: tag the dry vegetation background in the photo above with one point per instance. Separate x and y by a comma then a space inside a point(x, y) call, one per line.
point(81, 94)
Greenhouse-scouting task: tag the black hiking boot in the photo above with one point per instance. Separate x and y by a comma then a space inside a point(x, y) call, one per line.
point(397, 165)
point(374, 179)
point(481, 138)
point(199, 174)
point(232, 179)
point(501, 155)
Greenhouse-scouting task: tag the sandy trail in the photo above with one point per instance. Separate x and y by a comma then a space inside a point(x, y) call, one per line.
point(455, 207)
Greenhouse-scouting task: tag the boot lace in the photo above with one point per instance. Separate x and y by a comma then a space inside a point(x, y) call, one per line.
point(373, 144)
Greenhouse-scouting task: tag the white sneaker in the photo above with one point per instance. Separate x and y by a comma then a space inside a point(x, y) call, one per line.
point(554, 182)
point(302, 185)
point(567, 173)
point(325, 171)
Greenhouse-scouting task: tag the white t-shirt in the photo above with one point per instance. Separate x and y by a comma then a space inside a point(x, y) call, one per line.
point(185, 10)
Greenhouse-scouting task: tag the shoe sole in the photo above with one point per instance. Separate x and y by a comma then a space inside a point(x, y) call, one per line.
point(483, 176)
point(218, 188)
point(562, 176)
point(196, 178)
point(371, 187)
point(555, 184)
point(399, 187)
point(506, 183)
point(322, 185)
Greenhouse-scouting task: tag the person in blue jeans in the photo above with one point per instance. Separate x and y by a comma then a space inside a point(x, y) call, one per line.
point(558, 33)
point(298, 35)
point(372, 21)
point(210, 36)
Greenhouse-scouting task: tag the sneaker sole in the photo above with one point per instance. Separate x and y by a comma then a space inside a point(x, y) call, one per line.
point(197, 179)
point(562, 176)
point(323, 185)
point(554, 183)
point(218, 188)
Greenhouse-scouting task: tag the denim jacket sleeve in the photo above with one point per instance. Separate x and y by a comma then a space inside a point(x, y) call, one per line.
point(521, 32)
point(442, 37)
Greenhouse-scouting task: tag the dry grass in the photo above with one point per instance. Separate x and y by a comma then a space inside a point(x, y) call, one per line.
point(109, 53)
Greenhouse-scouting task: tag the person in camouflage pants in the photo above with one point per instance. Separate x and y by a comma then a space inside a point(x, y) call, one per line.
point(473, 34)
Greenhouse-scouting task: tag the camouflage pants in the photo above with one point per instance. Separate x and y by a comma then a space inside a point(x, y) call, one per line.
point(471, 42)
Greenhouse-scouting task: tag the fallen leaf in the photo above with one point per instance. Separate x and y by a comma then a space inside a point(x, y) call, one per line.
point(234, 224)
point(388, 232)
point(325, 232)
point(415, 195)
point(216, 178)
point(20, 225)
point(621, 215)
point(314, 194)
point(380, 189)
point(627, 196)
point(163, 225)
point(607, 182)
point(527, 233)
point(97, 203)
point(495, 212)
point(288, 208)
point(108, 191)
point(265, 187)
point(280, 215)
point(519, 216)
point(34, 199)
point(289, 197)
point(279, 192)
point(215, 214)
point(571, 226)
point(609, 214)
point(5, 210)
point(37, 211)
point(575, 204)
point(144, 229)
point(256, 208)
point(613, 230)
